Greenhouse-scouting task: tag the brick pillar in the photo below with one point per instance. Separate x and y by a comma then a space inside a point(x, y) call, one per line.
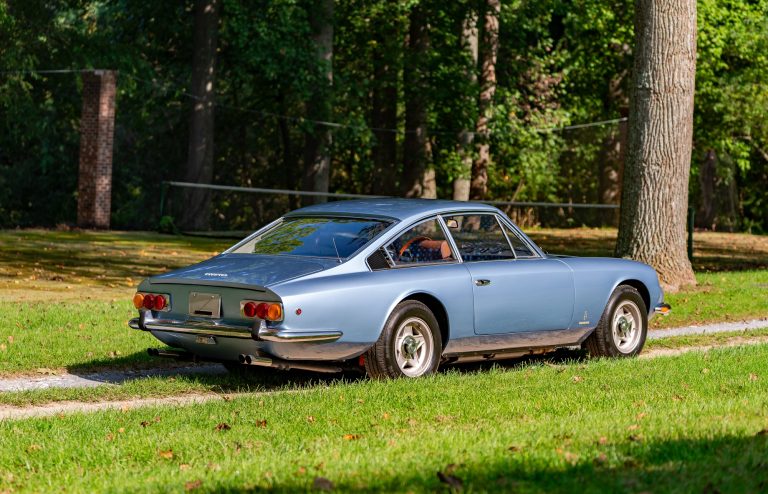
point(97, 126)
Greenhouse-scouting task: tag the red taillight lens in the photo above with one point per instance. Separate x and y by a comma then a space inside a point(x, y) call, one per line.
point(261, 310)
point(159, 302)
point(249, 309)
point(149, 301)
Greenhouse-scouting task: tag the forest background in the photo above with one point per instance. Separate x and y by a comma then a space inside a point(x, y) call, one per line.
point(392, 96)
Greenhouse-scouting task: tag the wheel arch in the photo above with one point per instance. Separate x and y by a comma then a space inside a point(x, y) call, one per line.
point(437, 308)
point(642, 289)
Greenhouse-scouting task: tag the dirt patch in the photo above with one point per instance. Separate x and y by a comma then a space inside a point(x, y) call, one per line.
point(735, 341)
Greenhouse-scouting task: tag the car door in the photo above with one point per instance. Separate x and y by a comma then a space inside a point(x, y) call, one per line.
point(514, 289)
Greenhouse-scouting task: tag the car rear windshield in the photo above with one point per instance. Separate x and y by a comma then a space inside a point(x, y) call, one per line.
point(316, 237)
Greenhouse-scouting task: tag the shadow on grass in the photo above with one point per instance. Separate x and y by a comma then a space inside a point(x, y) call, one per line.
point(215, 377)
point(719, 465)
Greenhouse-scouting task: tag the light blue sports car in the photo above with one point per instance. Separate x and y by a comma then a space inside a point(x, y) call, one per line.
point(395, 287)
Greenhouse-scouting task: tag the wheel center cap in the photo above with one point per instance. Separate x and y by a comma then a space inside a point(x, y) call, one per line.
point(410, 346)
point(624, 326)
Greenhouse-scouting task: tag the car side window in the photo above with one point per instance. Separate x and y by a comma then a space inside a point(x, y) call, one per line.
point(425, 243)
point(521, 248)
point(479, 237)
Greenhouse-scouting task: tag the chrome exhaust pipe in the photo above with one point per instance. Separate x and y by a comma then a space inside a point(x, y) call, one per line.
point(241, 358)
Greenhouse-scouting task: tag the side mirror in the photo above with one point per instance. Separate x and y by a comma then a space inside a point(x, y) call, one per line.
point(452, 224)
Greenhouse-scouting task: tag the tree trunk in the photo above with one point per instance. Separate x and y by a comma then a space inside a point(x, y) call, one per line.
point(384, 107)
point(488, 52)
point(416, 148)
point(317, 145)
point(199, 169)
point(654, 203)
point(469, 42)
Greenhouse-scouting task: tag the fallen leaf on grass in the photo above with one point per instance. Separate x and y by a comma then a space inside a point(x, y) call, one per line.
point(352, 437)
point(633, 427)
point(192, 485)
point(322, 484)
point(223, 427)
point(184, 466)
point(752, 377)
point(513, 449)
point(635, 438)
point(310, 419)
point(577, 379)
point(262, 423)
point(448, 478)
point(33, 447)
point(763, 432)
point(600, 459)
point(167, 454)
point(602, 440)
point(705, 371)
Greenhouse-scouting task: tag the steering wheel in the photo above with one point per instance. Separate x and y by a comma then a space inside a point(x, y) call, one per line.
point(411, 241)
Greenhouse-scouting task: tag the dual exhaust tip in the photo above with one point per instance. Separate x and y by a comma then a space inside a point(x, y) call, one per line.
point(254, 360)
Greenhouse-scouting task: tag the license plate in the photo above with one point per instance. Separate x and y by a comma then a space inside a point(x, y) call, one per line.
point(205, 305)
point(206, 340)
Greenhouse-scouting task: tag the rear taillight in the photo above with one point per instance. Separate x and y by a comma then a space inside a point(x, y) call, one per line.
point(151, 301)
point(249, 309)
point(268, 311)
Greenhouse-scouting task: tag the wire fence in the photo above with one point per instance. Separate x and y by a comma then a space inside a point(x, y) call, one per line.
point(240, 209)
point(262, 208)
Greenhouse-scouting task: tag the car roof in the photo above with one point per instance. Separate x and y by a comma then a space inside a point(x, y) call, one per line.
point(395, 208)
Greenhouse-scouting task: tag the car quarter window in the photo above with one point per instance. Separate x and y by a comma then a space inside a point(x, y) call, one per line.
point(479, 237)
point(521, 248)
point(425, 243)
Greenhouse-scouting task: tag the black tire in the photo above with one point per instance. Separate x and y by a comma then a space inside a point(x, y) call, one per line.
point(603, 341)
point(385, 358)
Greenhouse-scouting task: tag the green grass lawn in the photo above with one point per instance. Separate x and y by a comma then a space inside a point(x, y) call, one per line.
point(65, 296)
point(692, 423)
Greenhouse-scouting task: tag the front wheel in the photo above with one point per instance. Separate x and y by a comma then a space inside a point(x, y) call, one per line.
point(623, 326)
point(409, 346)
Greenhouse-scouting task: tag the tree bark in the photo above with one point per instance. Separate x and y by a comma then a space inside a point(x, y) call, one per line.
point(199, 169)
point(488, 53)
point(384, 107)
point(654, 203)
point(416, 148)
point(317, 145)
point(469, 41)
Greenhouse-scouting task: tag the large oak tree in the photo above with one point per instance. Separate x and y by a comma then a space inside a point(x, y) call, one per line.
point(654, 201)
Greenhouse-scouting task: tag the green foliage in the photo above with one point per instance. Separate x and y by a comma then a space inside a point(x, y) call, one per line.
point(559, 63)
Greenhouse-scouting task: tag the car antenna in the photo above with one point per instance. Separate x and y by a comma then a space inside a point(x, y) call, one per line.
point(333, 239)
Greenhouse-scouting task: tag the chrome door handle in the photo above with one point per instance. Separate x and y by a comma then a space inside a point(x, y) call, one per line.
point(482, 282)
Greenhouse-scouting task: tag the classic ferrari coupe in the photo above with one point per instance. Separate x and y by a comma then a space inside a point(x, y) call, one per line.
point(395, 287)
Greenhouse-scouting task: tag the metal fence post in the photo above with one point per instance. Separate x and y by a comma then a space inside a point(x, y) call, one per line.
point(163, 190)
point(691, 215)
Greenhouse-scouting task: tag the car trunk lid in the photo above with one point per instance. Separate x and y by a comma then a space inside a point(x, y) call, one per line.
point(245, 271)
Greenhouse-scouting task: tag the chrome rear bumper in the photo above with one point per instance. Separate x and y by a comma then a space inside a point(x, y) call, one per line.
point(258, 332)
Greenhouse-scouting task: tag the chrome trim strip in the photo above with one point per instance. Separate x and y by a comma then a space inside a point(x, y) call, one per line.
point(501, 343)
point(213, 328)
point(270, 334)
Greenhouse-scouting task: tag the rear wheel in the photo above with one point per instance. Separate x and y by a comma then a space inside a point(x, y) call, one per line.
point(409, 346)
point(623, 326)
